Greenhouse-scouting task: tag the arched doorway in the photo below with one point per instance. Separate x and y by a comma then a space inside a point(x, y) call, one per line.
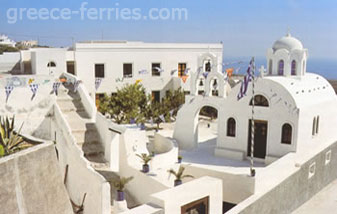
point(207, 125)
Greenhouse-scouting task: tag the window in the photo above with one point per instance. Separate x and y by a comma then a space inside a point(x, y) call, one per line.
point(181, 69)
point(99, 70)
point(127, 70)
point(286, 134)
point(270, 67)
point(231, 127)
point(51, 64)
point(293, 67)
point(71, 67)
point(156, 96)
point(259, 100)
point(280, 67)
point(314, 126)
point(156, 69)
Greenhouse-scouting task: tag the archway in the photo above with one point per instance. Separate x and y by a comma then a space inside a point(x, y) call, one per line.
point(207, 125)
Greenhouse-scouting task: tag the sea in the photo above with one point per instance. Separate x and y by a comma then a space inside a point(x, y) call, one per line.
point(324, 67)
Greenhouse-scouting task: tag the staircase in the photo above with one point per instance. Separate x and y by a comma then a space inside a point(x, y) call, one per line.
point(87, 136)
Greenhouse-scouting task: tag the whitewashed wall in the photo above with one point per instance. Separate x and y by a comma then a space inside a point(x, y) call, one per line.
point(9, 61)
point(141, 55)
point(81, 178)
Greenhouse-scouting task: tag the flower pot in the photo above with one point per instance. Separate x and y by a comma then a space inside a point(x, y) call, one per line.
point(180, 160)
point(177, 182)
point(146, 168)
point(120, 196)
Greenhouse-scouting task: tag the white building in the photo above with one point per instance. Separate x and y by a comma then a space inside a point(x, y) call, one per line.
point(4, 40)
point(293, 108)
point(28, 43)
point(159, 66)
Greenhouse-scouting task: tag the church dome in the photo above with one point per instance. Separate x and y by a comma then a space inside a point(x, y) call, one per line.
point(287, 42)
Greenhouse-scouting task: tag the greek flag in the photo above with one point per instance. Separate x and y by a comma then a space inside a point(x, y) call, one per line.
point(248, 78)
point(8, 90)
point(205, 74)
point(56, 86)
point(76, 85)
point(33, 88)
point(98, 82)
point(132, 121)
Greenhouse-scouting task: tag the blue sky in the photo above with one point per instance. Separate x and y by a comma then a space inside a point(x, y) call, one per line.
point(246, 27)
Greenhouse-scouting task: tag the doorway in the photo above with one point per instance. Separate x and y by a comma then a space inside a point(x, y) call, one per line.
point(260, 138)
point(196, 207)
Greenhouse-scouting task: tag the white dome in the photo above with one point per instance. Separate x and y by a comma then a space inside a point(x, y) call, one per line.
point(288, 42)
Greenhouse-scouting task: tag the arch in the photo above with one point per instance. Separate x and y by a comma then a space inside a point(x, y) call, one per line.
point(280, 68)
point(293, 67)
point(286, 133)
point(204, 58)
point(231, 127)
point(259, 100)
point(186, 128)
point(270, 68)
point(209, 83)
point(51, 64)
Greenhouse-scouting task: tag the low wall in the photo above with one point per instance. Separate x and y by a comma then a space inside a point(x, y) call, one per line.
point(30, 112)
point(31, 182)
point(81, 177)
point(235, 187)
point(10, 62)
point(143, 185)
point(110, 134)
point(309, 177)
point(167, 149)
point(173, 199)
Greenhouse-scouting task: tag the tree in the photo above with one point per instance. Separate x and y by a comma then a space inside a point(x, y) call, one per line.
point(173, 100)
point(6, 48)
point(129, 103)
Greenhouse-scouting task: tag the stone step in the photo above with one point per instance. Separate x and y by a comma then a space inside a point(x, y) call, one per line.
point(70, 105)
point(90, 134)
point(91, 149)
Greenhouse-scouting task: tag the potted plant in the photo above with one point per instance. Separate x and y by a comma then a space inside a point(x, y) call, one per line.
point(119, 184)
point(180, 158)
point(146, 159)
point(179, 175)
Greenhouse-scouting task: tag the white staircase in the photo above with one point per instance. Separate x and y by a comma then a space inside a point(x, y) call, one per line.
point(87, 136)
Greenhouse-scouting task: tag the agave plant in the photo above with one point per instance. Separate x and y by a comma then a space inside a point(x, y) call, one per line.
point(179, 175)
point(146, 159)
point(10, 141)
point(119, 184)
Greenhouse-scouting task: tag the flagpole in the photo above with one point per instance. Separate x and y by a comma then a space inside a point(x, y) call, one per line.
point(252, 170)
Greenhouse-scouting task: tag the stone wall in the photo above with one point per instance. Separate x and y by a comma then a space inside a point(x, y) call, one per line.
point(31, 182)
